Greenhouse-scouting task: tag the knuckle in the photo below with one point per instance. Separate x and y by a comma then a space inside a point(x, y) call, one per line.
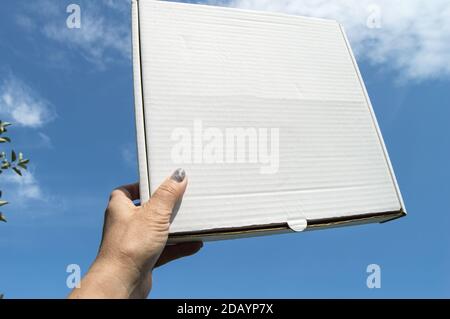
point(166, 192)
point(161, 215)
point(109, 211)
point(114, 194)
point(161, 225)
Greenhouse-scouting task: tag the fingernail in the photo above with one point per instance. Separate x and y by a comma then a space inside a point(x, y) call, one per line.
point(179, 175)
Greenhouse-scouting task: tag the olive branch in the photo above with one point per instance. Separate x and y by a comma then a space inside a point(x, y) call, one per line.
point(15, 161)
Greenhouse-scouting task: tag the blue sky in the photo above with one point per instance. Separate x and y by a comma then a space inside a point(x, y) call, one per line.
point(70, 96)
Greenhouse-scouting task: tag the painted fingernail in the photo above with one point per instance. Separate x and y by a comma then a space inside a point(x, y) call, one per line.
point(179, 175)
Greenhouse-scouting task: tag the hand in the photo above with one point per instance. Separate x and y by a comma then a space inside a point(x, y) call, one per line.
point(134, 242)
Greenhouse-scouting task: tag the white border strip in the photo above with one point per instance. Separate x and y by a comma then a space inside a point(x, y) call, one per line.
point(138, 106)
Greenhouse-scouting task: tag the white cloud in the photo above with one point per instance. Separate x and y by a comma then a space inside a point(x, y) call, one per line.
point(21, 189)
point(104, 35)
point(414, 38)
point(22, 105)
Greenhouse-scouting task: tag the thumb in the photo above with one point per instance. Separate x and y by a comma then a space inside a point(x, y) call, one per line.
point(168, 196)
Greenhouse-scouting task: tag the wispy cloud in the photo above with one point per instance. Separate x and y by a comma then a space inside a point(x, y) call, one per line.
point(44, 141)
point(25, 22)
point(104, 35)
point(413, 38)
point(129, 155)
point(28, 197)
point(121, 5)
point(22, 189)
point(22, 105)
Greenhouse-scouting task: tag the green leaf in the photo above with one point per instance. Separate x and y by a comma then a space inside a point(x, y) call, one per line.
point(21, 165)
point(13, 156)
point(3, 126)
point(5, 139)
point(15, 169)
point(24, 161)
point(2, 218)
point(5, 165)
point(3, 203)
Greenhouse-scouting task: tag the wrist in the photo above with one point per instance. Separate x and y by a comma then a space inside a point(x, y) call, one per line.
point(110, 278)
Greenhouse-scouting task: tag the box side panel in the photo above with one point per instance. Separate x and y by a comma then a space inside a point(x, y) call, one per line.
point(377, 127)
point(138, 105)
point(266, 230)
point(215, 235)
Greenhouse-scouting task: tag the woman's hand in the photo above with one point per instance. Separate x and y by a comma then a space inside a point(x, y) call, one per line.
point(134, 242)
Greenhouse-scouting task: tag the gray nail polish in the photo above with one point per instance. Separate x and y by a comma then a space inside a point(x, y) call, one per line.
point(179, 175)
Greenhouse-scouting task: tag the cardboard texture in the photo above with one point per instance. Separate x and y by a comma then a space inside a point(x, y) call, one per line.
point(306, 152)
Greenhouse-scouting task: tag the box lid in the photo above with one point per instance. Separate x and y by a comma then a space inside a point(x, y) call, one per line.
point(267, 113)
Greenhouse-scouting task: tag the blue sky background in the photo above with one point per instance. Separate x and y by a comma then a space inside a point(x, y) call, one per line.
point(70, 95)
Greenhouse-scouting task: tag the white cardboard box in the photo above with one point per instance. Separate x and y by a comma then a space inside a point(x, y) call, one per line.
point(267, 113)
